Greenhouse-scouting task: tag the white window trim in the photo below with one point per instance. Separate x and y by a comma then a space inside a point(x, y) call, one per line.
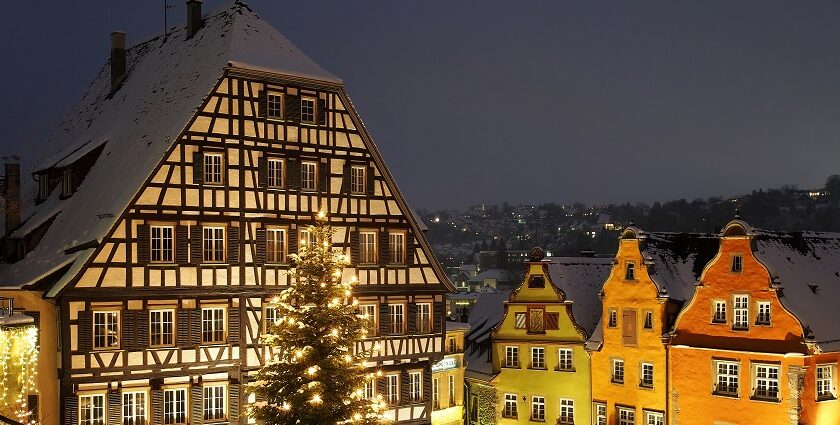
point(365, 256)
point(642, 382)
point(396, 247)
point(397, 327)
point(392, 392)
point(105, 313)
point(205, 165)
point(278, 177)
point(210, 246)
point(766, 382)
point(832, 386)
point(415, 386)
point(281, 97)
point(715, 305)
point(213, 329)
point(172, 331)
point(314, 109)
point(759, 305)
point(654, 418)
point(271, 255)
point(599, 413)
point(614, 363)
point(304, 173)
point(424, 324)
point(373, 316)
point(513, 401)
point(175, 414)
point(631, 416)
point(213, 407)
point(162, 250)
point(133, 419)
point(534, 351)
point(571, 356)
point(355, 171)
point(745, 312)
point(568, 405)
point(717, 375)
point(536, 402)
point(100, 419)
point(515, 350)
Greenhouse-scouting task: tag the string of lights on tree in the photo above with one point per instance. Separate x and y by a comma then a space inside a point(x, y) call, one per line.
point(18, 371)
point(316, 372)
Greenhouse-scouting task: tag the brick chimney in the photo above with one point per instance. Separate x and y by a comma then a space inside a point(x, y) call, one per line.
point(11, 194)
point(194, 22)
point(117, 59)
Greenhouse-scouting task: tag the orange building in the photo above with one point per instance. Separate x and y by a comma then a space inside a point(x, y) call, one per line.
point(759, 341)
point(652, 276)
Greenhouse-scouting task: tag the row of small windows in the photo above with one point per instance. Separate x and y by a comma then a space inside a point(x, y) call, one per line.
point(626, 415)
point(166, 243)
point(645, 373)
point(536, 320)
point(396, 388)
point(537, 408)
point(163, 327)
point(765, 380)
point(630, 267)
point(741, 312)
point(134, 406)
point(629, 334)
point(565, 358)
point(436, 405)
point(275, 105)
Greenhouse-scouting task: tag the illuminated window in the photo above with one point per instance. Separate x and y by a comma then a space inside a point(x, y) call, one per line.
point(175, 406)
point(162, 327)
point(397, 318)
point(453, 346)
point(162, 245)
point(537, 358)
point(741, 310)
point(415, 386)
point(274, 105)
point(424, 318)
point(275, 241)
point(106, 330)
point(307, 109)
point(647, 375)
point(825, 382)
point(626, 416)
point(367, 247)
point(537, 408)
point(719, 313)
point(630, 271)
point(392, 388)
point(600, 414)
point(307, 237)
point(435, 397)
point(368, 312)
point(654, 418)
point(92, 409)
point(737, 263)
point(214, 244)
point(213, 168)
point(308, 175)
point(270, 315)
point(214, 402)
point(274, 177)
point(370, 389)
point(510, 410)
point(358, 182)
point(451, 390)
point(613, 322)
point(134, 408)
point(511, 356)
point(213, 325)
point(726, 378)
point(396, 247)
point(618, 371)
point(763, 317)
point(565, 359)
point(766, 382)
point(567, 411)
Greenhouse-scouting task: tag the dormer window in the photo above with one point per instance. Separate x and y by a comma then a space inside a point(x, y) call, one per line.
point(67, 182)
point(307, 109)
point(43, 186)
point(737, 263)
point(536, 282)
point(274, 105)
point(630, 271)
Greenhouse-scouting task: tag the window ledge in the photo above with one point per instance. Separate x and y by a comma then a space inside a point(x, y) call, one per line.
point(511, 367)
point(765, 399)
point(727, 395)
point(565, 370)
point(718, 322)
point(741, 328)
point(645, 386)
point(396, 265)
point(613, 381)
point(826, 398)
point(536, 368)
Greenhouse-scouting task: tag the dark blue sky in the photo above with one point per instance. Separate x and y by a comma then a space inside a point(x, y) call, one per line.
point(515, 101)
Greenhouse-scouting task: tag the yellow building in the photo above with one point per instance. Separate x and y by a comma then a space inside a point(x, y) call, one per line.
point(448, 378)
point(652, 275)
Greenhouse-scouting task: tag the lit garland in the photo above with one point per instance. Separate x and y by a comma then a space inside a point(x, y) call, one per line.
point(315, 373)
point(18, 371)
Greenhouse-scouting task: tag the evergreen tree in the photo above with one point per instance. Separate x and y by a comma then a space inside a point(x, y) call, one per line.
point(314, 377)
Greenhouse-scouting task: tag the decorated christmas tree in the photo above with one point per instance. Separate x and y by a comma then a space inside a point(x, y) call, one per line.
point(314, 375)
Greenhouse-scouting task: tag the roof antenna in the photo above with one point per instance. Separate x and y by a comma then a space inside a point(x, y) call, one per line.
point(166, 8)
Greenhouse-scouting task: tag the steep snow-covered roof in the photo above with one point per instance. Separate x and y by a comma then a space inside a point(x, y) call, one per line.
point(167, 80)
point(484, 316)
point(581, 279)
point(676, 260)
point(497, 274)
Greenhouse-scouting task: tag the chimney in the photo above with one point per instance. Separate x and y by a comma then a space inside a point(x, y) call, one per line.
point(193, 17)
point(117, 59)
point(11, 194)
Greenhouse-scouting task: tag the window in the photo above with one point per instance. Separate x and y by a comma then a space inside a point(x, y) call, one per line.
point(510, 410)
point(600, 414)
point(537, 408)
point(370, 389)
point(737, 263)
point(43, 186)
point(741, 308)
point(626, 416)
point(763, 317)
point(307, 109)
point(92, 409)
point(275, 245)
point(307, 238)
point(719, 313)
point(175, 406)
point(520, 321)
point(536, 322)
point(274, 177)
point(270, 315)
point(162, 328)
point(134, 408)
point(451, 390)
point(618, 371)
point(396, 247)
point(453, 345)
point(67, 182)
point(647, 375)
point(424, 318)
point(537, 358)
point(435, 391)
point(358, 184)
point(213, 325)
point(648, 320)
point(161, 241)
point(397, 318)
point(308, 173)
point(392, 388)
point(415, 386)
point(512, 356)
point(825, 383)
point(630, 271)
point(214, 244)
point(726, 378)
point(214, 402)
point(767, 382)
point(654, 418)
point(369, 314)
point(564, 357)
point(567, 411)
point(613, 322)
point(213, 168)
point(274, 105)
point(367, 247)
point(106, 331)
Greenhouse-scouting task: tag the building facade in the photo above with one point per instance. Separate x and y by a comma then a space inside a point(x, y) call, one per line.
point(448, 378)
point(176, 193)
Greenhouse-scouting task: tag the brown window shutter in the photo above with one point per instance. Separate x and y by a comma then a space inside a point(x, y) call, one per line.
point(196, 402)
point(552, 321)
point(195, 327)
point(322, 112)
point(293, 242)
point(183, 339)
point(262, 171)
point(233, 326)
point(85, 331)
point(141, 324)
point(114, 407)
point(292, 108)
point(262, 108)
point(381, 384)
point(182, 244)
point(234, 391)
point(370, 181)
point(233, 244)
point(260, 256)
point(143, 244)
point(384, 320)
point(409, 249)
point(71, 410)
point(412, 318)
point(437, 317)
point(323, 176)
point(354, 247)
point(384, 248)
point(628, 327)
point(129, 330)
point(405, 389)
point(196, 250)
point(345, 178)
point(292, 173)
point(198, 167)
point(157, 406)
point(427, 383)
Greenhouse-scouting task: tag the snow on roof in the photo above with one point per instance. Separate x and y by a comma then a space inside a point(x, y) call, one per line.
point(167, 80)
point(457, 326)
point(497, 274)
point(676, 260)
point(581, 279)
point(484, 316)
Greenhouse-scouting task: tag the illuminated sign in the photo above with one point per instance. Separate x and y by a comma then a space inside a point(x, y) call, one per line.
point(445, 364)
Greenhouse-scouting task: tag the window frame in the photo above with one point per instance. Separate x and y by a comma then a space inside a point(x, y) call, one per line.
point(213, 407)
point(274, 178)
point(510, 408)
point(643, 383)
point(630, 416)
point(759, 320)
point(271, 242)
point(393, 324)
point(617, 364)
point(117, 314)
point(372, 326)
point(392, 388)
point(537, 408)
point(818, 381)
point(567, 411)
point(280, 105)
point(213, 331)
point(737, 325)
point(599, 413)
point(161, 327)
point(570, 367)
point(715, 310)
point(423, 325)
point(358, 176)
point(766, 383)
point(452, 391)
point(737, 265)
point(728, 376)
point(132, 418)
point(396, 247)
point(415, 386)
point(207, 170)
point(540, 363)
point(306, 237)
point(162, 249)
point(213, 246)
point(647, 325)
point(654, 418)
point(92, 414)
point(612, 321)
point(303, 110)
point(630, 271)
point(184, 402)
point(514, 350)
point(306, 178)
point(368, 248)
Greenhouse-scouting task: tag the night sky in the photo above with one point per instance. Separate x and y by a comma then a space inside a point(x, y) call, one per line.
point(495, 101)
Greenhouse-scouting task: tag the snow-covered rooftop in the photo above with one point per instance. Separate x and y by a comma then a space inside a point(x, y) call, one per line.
point(167, 80)
point(581, 279)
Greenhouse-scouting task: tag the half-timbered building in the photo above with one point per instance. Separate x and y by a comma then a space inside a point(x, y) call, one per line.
point(165, 212)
